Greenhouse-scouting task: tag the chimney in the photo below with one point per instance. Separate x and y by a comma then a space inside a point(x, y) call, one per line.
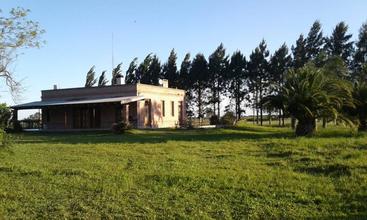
point(164, 83)
point(55, 87)
point(118, 80)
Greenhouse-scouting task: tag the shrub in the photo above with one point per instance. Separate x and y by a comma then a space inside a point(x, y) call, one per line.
point(5, 115)
point(228, 119)
point(214, 120)
point(120, 127)
point(5, 140)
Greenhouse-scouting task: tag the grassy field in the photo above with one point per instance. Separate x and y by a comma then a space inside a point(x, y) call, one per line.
point(245, 172)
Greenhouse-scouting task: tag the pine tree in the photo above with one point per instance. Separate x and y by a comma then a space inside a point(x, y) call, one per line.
point(237, 78)
point(155, 70)
point(169, 70)
point(339, 44)
point(299, 53)
point(185, 83)
point(314, 41)
point(90, 80)
point(360, 57)
point(199, 80)
point(143, 70)
point(150, 70)
point(131, 73)
point(217, 67)
point(280, 62)
point(116, 75)
point(258, 69)
point(102, 81)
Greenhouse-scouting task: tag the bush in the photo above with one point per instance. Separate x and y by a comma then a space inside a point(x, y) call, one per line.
point(214, 120)
point(228, 119)
point(5, 115)
point(120, 127)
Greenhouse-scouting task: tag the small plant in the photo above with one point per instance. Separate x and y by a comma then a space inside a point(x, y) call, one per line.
point(214, 120)
point(120, 127)
point(228, 119)
point(5, 139)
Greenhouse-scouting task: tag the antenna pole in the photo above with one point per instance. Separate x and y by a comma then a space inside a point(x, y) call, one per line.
point(112, 53)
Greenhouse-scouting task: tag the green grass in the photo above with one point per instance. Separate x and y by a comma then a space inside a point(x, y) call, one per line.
point(246, 172)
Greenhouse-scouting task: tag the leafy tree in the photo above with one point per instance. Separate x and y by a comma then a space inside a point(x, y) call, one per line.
point(339, 44)
point(217, 67)
point(17, 32)
point(258, 70)
point(299, 53)
point(90, 78)
point(102, 81)
point(237, 78)
point(131, 73)
point(280, 62)
point(314, 41)
point(116, 75)
point(199, 80)
point(360, 57)
point(309, 94)
point(143, 69)
point(169, 70)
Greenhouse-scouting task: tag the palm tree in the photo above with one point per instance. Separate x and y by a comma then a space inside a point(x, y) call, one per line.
point(309, 94)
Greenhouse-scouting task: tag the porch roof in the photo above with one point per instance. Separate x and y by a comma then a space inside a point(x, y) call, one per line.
point(40, 104)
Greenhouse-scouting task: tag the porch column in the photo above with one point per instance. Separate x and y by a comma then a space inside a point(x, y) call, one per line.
point(125, 113)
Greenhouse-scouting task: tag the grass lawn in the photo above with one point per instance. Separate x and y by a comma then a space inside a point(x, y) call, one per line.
point(246, 172)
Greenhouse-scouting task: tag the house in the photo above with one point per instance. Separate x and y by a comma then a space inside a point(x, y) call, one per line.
point(143, 106)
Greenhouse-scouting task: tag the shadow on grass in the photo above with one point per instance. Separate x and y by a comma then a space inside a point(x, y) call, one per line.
point(164, 135)
point(150, 136)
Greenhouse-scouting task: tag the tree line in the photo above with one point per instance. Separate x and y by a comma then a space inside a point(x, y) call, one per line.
point(267, 82)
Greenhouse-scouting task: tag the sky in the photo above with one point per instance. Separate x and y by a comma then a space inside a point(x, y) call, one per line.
point(79, 33)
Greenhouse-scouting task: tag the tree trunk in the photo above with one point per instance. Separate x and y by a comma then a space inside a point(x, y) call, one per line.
point(362, 123)
point(306, 127)
point(324, 122)
point(293, 122)
point(269, 117)
point(280, 117)
point(283, 118)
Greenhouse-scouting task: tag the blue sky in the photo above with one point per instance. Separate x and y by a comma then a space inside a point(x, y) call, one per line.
point(78, 33)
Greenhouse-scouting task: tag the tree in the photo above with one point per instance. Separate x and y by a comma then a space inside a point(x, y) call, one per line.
point(314, 41)
point(258, 70)
point(102, 81)
point(199, 80)
point(186, 83)
point(299, 52)
point(153, 71)
point(309, 94)
point(90, 78)
point(360, 57)
point(280, 62)
point(339, 44)
point(17, 32)
point(116, 75)
point(131, 73)
point(217, 67)
point(169, 70)
point(143, 68)
point(237, 78)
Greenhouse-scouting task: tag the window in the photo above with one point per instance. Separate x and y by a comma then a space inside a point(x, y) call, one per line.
point(173, 108)
point(163, 109)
